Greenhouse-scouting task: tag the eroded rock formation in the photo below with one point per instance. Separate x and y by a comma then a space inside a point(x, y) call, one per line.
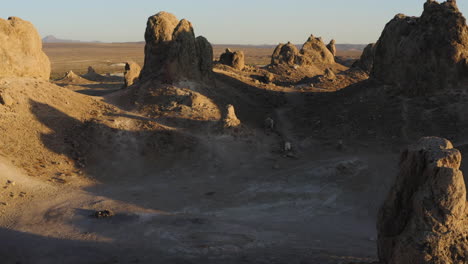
point(331, 47)
point(314, 51)
point(230, 120)
point(132, 73)
point(427, 53)
point(172, 53)
point(235, 59)
point(21, 52)
point(424, 218)
point(286, 54)
point(92, 75)
point(366, 61)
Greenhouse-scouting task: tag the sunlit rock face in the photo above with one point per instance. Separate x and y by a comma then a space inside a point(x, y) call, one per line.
point(424, 218)
point(21, 52)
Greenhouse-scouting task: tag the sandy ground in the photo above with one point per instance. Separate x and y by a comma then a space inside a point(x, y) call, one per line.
point(239, 199)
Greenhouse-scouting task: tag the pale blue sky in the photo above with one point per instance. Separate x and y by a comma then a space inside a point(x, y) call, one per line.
point(221, 21)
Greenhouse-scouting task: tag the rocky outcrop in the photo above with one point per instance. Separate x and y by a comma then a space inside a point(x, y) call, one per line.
point(331, 47)
point(366, 61)
point(230, 120)
point(314, 51)
point(132, 73)
point(424, 54)
point(286, 54)
point(234, 59)
point(424, 218)
point(21, 50)
point(172, 53)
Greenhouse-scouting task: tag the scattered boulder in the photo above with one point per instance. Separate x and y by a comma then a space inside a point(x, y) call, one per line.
point(132, 73)
point(424, 218)
point(231, 120)
point(172, 53)
point(268, 77)
point(234, 59)
point(331, 47)
point(21, 50)
point(5, 99)
point(103, 214)
point(423, 54)
point(366, 62)
point(286, 54)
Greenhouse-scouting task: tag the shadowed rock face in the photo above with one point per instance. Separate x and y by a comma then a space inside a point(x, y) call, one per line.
point(234, 59)
point(366, 62)
point(132, 73)
point(21, 52)
point(426, 53)
point(172, 53)
point(424, 218)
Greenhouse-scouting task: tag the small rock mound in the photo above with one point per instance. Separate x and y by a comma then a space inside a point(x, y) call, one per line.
point(172, 53)
point(21, 50)
point(92, 75)
point(423, 54)
point(71, 77)
point(331, 47)
point(231, 120)
point(286, 54)
point(424, 218)
point(132, 73)
point(234, 59)
point(366, 61)
point(329, 74)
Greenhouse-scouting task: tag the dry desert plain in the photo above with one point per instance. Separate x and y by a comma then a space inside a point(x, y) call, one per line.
point(175, 151)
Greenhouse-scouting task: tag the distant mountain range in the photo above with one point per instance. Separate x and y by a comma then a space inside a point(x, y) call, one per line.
point(53, 39)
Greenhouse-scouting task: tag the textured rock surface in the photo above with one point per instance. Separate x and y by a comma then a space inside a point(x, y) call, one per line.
point(132, 73)
point(235, 59)
point(231, 120)
point(286, 54)
point(424, 218)
point(366, 62)
point(331, 47)
point(426, 53)
point(21, 52)
point(315, 51)
point(172, 53)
